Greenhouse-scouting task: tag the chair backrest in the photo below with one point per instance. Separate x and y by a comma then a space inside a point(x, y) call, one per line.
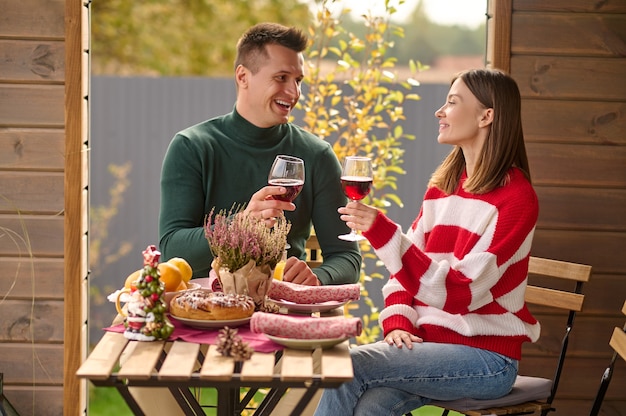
point(313, 252)
point(547, 279)
point(618, 343)
point(569, 300)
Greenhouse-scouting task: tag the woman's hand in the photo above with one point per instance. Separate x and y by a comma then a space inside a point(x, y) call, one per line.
point(358, 216)
point(264, 207)
point(398, 337)
point(297, 271)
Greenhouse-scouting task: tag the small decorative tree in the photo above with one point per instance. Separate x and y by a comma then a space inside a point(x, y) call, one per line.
point(359, 103)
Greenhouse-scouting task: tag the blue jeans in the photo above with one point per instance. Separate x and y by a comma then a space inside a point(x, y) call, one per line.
point(393, 381)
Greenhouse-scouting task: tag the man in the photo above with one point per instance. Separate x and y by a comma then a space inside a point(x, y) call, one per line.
point(226, 161)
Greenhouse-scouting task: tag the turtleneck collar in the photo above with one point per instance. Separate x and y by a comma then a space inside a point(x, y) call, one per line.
point(243, 131)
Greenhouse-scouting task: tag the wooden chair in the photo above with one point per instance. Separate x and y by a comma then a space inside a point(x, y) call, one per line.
point(313, 252)
point(618, 343)
point(535, 394)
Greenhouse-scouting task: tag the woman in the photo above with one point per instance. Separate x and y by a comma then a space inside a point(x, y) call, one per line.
point(454, 317)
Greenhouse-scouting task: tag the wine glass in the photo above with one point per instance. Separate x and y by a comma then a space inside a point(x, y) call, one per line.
point(288, 172)
point(356, 182)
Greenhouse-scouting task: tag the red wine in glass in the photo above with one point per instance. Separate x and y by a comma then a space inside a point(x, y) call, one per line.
point(356, 187)
point(293, 186)
point(356, 182)
point(288, 172)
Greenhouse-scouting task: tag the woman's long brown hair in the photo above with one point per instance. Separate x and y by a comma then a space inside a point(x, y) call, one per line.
point(504, 145)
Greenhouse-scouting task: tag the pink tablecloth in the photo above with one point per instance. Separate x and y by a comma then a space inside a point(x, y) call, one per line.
point(257, 341)
point(298, 327)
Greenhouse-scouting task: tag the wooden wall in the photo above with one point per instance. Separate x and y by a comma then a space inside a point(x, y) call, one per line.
point(43, 202)
point(569, 59)
point(567, 55)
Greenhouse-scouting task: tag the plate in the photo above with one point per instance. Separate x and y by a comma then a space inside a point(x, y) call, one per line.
point(308, 307)
point(168, 296)
point(199, 323)
point(306, 344)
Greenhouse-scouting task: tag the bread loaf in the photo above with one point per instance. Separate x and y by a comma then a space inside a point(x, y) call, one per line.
point(206, 305)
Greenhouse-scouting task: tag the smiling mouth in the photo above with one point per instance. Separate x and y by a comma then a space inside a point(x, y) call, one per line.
point(286, 105)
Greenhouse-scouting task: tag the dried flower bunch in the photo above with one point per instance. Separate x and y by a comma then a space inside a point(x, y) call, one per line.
point(235, 238)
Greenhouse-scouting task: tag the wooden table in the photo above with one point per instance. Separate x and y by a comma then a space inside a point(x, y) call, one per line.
point(181, 365)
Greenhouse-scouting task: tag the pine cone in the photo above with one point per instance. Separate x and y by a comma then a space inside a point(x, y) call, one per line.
point(225, 340)
point(241, 351)
point(229, 344)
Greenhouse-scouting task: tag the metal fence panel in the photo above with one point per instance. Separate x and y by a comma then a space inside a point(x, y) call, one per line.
point(133, 120)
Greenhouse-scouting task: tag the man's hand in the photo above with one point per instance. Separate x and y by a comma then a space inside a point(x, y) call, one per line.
point(263, 207)
point(297, 271)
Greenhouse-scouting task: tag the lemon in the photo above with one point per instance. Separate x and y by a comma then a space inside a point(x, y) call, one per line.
point(183, 266)
point(279, 270)
point(170, 276)
point(131, 280)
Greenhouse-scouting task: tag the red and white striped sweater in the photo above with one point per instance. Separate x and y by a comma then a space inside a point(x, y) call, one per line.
point(459, 274)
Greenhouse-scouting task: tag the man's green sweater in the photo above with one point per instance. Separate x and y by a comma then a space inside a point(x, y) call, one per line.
point(223, 161)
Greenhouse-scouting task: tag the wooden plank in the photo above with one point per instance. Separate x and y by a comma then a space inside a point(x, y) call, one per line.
point(39, 400)
point(598, 249)
point(32, 60)
point(603, 294)
point(104, 357)
point(618, 342)
point(141, 363)
point(576, 406)
point(34, 149)
point(25, 320)
point(19, 367)
point(74, 235)
point(559, 269)
point(554, 298)
point(552, 34)
point(31, 105)
point(570, 6)
point(337, 364)
point(32, 18)
point(32, 235)
point(560, 77)
point(580, 378)
point(579, 122)
point(499, 34)
point(180, 362)
point(589, 338)
point(31, 192)
point(28, 278)
point(260, 367)
point(577, 165)
point(297, 365)
point(216, 366)
point(595, 209)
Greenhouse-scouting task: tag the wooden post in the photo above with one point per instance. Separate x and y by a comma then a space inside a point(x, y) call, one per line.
point(76, 205)
point(499, 14)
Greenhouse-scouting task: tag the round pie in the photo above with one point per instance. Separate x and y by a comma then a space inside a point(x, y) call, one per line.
point(206, 305)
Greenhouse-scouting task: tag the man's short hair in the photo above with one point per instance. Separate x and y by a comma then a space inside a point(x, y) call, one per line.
point(251, 45)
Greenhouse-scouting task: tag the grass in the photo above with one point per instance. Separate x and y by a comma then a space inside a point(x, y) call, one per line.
point(106, 401)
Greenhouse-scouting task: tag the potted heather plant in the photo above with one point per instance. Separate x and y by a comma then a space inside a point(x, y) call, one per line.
point(245, 251)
